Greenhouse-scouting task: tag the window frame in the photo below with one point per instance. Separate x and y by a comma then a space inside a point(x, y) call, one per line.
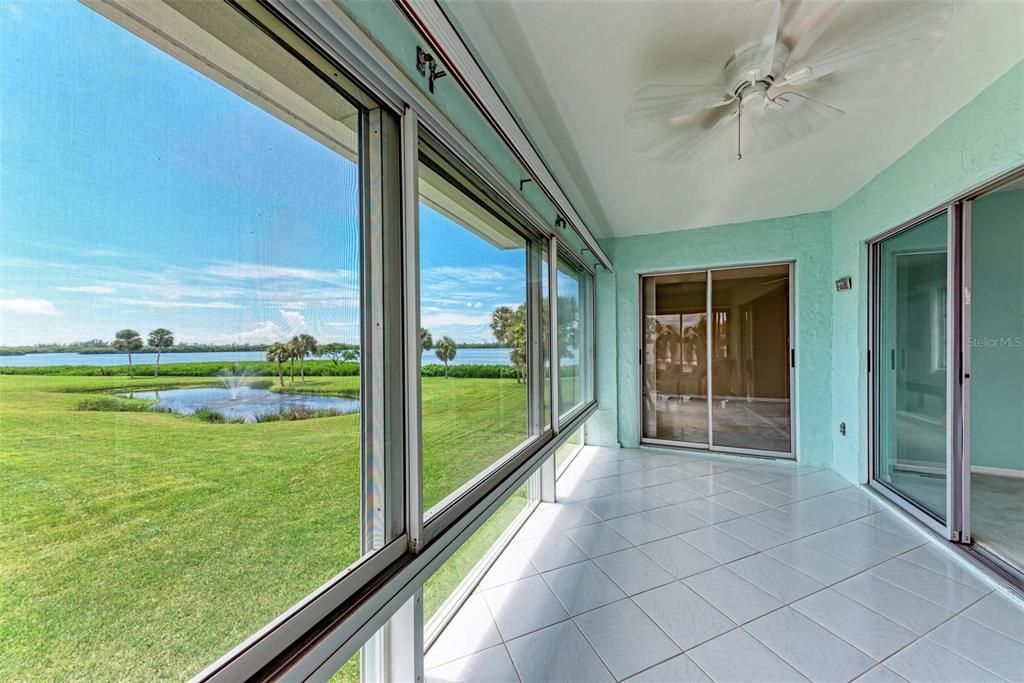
point(444, 161)
point(435, 625)
point(320, 632)
point(383, 538)
point(587, 348)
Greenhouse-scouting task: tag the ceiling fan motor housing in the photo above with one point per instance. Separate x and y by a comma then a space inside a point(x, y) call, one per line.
point(744, 75)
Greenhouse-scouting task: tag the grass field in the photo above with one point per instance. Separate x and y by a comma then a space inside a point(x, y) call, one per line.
point(143, 545)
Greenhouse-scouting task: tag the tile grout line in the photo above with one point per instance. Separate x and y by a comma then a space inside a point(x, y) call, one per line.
point(594, 649)
point(508, 653)
point(861, 519)
point(925, 635)
point(874, 662)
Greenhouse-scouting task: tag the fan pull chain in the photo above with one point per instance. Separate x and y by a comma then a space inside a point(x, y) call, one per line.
point(739, 130)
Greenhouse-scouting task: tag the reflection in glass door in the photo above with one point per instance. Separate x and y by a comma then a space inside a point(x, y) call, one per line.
point(676, 358)
point(724, 385)
point(947, 362)
point(911, 378)
point(994, 388)
point(750, 407)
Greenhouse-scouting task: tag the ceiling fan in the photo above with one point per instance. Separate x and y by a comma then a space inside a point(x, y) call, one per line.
point(793, 47)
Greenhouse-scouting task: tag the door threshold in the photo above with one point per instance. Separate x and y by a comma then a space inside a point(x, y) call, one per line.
point(1004, 575)
point(697, 450)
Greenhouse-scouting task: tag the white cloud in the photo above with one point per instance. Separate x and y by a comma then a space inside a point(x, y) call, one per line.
point(29, 306)
point(268, 331)
point(259, 271)
point(112, 253)
point(88, 289)
point(441, 318)
point(294, 320)
point(157, 303)
point(265, 333)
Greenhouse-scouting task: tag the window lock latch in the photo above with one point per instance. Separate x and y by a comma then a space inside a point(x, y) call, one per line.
point(427, 65)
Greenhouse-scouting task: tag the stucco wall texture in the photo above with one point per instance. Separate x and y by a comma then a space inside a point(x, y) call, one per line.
point(980, 141)
point(804, 240)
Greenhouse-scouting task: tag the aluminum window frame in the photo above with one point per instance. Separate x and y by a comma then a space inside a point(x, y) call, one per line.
point(560, 468)
point(433, 628)
point(587, 348)
point(342, 634)
point(957, 526)
point(382, 472)
point(444, 161)
point(946, 527)
point(322, 631)
point(382, 536)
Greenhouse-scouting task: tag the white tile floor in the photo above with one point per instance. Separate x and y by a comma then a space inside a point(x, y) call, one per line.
point(657, 566)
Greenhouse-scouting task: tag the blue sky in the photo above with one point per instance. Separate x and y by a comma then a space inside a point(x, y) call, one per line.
point(138, 193)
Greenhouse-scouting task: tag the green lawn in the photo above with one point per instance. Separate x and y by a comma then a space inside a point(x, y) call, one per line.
point(441, 584)
point(141, 546)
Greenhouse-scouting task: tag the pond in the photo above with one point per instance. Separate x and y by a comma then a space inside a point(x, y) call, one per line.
point(242, 402)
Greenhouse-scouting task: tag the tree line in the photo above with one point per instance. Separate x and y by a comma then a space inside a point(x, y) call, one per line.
point(302, 346)
point(508, 325)
point(298, 348)
point(103, 346)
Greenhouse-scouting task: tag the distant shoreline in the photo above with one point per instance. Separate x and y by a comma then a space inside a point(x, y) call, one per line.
point(188, 348)
point(225, 359)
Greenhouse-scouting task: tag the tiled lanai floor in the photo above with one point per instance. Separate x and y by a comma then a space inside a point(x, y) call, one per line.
point(669, 567)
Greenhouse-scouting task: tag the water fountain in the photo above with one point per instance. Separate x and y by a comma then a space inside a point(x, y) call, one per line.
point(233, 379)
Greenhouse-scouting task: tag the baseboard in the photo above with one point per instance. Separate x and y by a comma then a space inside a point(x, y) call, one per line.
point(921, 467)
point(998, 471)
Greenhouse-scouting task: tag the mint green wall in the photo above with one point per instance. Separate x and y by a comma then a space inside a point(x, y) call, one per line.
point(997, 329)
point(603, 428)
point(396, 37)
point(981, 140)
point(804, 239)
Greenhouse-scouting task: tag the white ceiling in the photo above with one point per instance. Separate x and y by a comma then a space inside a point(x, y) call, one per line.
point(570, 69)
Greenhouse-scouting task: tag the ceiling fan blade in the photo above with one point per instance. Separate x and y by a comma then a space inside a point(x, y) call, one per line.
point(790, 117)
point(765, 16)
point(674, 103)
point(678, 143)
point(867, 45)
point(800, 36)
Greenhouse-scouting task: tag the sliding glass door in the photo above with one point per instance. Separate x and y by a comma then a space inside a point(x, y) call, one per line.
point(717, 359)
point(994, 370)
point(676, 358)
point(750, 358)
point(912, 349)
point(947, 362)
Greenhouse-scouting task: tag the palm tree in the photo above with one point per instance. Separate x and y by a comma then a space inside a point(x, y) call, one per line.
point(128, 341)
point(293, 352)
point(445, 350)
point(509, 327)
point(304, 345)
point(278, 353)
point(161, 338)
point(426, 340)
